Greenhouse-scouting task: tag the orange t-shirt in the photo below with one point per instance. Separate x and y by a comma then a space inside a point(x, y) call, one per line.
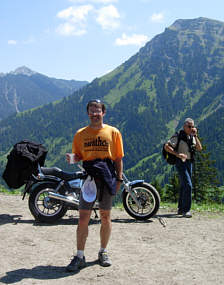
point(91, 144)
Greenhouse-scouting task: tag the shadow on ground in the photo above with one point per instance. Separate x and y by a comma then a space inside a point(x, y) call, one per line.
point(18, 219)
point(39, 272)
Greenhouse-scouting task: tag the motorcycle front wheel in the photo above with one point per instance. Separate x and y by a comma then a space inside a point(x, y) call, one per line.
point(44, 208)
point(148, 198)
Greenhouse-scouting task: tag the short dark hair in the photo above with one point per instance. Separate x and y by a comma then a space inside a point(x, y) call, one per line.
point(96, 102)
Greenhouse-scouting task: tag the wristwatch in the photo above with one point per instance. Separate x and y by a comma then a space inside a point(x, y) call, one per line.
point(119, 180)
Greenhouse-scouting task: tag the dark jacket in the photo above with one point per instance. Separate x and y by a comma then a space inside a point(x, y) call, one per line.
point(103, 170)
point(23, 160)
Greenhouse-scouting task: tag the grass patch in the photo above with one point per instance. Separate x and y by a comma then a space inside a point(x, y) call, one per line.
point(10, 192)
point(119, 206)
point(200, 208)
point(4, 190)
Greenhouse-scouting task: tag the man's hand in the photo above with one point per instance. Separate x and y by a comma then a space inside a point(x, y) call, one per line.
point(194, 131)
point(182, 156)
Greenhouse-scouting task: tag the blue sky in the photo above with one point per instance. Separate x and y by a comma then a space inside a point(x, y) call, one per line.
point(85, 39)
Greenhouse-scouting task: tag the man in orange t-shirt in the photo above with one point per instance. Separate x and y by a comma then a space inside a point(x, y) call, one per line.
point(97, 142)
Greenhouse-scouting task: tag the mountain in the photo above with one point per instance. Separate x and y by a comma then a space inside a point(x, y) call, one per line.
point(23, 89)
point(178, 74)
point(23, 70)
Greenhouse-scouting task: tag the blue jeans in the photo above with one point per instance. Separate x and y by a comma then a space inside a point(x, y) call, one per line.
point(184, 170)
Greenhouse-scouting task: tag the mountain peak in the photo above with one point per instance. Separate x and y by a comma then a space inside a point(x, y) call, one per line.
point(23, 70)
point(200, 23)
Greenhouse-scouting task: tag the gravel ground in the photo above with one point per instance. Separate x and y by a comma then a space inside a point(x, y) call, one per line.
point(166, 249)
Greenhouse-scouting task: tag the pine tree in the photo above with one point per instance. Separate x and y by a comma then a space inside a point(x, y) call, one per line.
point(173, 188)
point(204, 177)
point(158, 187)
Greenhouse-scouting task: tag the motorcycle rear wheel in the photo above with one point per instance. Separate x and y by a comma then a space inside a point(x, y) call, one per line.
point(147, 196)
point(43, 208)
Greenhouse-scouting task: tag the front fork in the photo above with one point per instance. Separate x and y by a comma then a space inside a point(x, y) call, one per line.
point(128, 185)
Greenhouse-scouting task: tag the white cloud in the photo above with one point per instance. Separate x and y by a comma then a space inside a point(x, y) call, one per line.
point(76, 17)
point(75, 14)
point(75, 20)
point(135, 39)
point(12, 42)
point(29, 41)
point(68, 29)
point(108, 17)
point(157, 17)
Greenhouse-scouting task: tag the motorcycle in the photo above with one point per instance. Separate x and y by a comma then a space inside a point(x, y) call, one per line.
point(53, 191)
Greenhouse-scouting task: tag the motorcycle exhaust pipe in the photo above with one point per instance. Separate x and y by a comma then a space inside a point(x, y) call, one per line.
point(68, 199)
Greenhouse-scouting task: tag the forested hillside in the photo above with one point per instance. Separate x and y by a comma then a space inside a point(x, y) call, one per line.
point(23, 89)
point(178, 74)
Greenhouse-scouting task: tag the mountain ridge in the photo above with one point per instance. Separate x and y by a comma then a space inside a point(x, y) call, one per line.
point(24, 88)
point(23, 70)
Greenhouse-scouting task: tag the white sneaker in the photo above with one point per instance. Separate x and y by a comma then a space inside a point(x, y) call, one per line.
point(187, 214)
point(104, 259)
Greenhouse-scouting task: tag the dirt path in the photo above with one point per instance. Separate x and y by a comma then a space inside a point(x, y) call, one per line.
point(184, 251)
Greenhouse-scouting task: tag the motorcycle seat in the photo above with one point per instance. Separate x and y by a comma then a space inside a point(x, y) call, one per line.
point(57, 172)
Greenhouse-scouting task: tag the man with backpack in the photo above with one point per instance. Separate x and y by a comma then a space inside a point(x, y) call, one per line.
point(183, 146)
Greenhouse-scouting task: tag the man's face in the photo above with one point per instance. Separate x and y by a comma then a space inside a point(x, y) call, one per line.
point(189, 127)
point(95, 113)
